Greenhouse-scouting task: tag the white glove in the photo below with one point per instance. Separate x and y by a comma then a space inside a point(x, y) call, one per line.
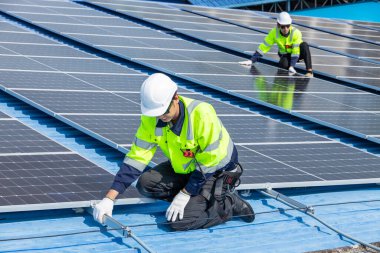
point(177, 206)
point(292, 71)
point(246, 63)
point(103, 207)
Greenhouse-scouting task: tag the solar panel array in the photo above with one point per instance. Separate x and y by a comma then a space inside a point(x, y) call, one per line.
point(311, 99)
point(37, 173)
point(329, 52)
point(101, 98)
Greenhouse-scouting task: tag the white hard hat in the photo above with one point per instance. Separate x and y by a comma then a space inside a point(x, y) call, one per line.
point(284, 18)
point(156, 94)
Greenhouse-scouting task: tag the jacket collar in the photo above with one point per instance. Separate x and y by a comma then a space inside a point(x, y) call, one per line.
point(177, 127)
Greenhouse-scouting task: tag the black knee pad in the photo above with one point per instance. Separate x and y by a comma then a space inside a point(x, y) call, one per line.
point(143, 185)
point(284, 62)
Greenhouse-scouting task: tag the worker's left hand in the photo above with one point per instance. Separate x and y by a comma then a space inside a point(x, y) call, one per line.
point(177, 207)
point(246, 63)
point(103, 207)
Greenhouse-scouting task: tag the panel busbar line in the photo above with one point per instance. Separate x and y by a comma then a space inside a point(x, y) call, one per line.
point(300, 102)
point(366, 24)
point(37, 173)
point(258, 131)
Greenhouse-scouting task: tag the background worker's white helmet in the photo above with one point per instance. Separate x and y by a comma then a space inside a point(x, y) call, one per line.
point(284, 18)
point(156, 94)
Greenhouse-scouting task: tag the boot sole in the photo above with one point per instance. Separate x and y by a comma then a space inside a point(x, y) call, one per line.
point(248, 218)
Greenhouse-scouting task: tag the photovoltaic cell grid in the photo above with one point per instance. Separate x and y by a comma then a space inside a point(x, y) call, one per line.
point(336, 64)
point(366, 24)
point(262, 131)
point(37, 173)
point(267, 87)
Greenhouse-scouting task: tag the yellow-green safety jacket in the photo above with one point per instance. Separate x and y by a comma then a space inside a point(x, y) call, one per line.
point(202, 133)
point(286, 45)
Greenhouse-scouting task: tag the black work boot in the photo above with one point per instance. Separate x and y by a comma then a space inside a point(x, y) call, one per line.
point(241, 208)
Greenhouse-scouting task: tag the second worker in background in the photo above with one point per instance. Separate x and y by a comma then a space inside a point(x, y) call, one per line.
point(291, 47)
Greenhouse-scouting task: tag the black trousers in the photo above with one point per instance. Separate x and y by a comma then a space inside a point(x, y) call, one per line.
point(163, 183)
point(304, 55)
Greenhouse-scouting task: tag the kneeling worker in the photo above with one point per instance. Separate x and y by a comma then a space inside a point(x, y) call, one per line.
point(202, 163)
point(291, 48)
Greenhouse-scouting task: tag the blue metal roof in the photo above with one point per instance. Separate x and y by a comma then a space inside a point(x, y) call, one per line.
point(274, 230)
point(232, 3)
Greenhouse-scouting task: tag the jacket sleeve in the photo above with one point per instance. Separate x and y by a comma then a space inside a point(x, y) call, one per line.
point(268, 42)
point(138, 158)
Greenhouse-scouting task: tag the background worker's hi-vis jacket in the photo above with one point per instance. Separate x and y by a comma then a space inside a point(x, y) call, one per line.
point(202, 133)
point(286, 45)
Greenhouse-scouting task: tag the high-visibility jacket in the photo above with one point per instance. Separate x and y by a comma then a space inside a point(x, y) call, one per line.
point(286, 45)
point(202, 134)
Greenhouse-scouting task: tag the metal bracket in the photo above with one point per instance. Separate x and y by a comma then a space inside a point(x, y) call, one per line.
point(117, 226)
point(282, 198)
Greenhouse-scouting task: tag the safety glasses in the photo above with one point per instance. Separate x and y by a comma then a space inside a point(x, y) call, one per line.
point(284, 26)
point(168, 110)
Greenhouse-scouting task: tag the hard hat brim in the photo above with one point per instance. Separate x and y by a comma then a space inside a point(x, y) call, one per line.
point(156, 111)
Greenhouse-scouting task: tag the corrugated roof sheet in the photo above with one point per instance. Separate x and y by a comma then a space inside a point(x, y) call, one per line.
point(274, 230)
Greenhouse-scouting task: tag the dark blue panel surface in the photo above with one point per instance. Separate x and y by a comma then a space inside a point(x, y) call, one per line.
point(81, 102)
point(37, 173)
point(367, 123)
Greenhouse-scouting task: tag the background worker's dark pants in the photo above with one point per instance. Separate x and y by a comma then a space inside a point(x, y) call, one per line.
point(304, 55)
point(163, 183)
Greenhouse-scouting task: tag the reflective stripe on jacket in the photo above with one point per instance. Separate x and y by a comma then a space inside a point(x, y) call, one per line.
point(202, 133)
point(286, 45)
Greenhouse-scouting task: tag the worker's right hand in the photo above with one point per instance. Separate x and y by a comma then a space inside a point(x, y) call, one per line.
point(246, 63)
point(255, 57)
point(292, 71)
point(103, 207)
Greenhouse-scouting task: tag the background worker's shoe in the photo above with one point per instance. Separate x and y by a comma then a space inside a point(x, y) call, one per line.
point(241, 208)
point(309, 74)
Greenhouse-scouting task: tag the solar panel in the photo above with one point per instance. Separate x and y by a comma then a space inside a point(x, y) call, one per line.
point(37, 173)
point(304, 163)
point(85, 110)
point(366, 24)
